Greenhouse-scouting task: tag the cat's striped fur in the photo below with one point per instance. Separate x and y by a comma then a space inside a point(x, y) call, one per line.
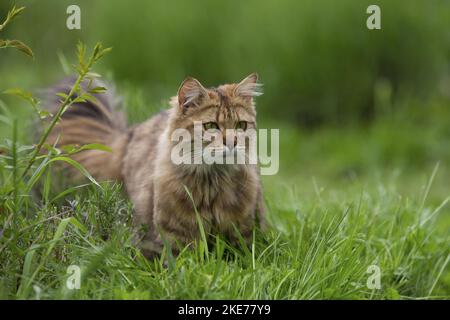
point(226, 196)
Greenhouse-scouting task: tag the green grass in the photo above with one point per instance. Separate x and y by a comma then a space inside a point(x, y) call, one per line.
point(328, 222)
point(317, 247)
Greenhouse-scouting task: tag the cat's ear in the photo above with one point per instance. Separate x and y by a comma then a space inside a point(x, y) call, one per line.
point(190, 92)
point(249, 87)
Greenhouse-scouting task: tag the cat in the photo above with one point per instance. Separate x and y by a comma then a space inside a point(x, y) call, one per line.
point(227, 197)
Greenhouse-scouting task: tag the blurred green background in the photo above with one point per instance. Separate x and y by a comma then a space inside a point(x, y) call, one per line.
point(349, 102)
point(318, 61)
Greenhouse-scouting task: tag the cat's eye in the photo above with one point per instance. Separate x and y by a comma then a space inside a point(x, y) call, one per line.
point(210, 125)
point(241, 125)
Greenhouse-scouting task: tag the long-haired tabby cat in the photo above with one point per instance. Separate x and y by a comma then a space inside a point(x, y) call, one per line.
point(227, 197)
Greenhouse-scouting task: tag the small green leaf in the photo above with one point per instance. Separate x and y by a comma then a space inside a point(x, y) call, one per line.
point(26, 270)
point(27, 96)
point(102, 53)
point(95, 146)
point(62, 95)
point(69, 148)
point(86, 96)
point(68, 191)
point(22, 94)
point(77, 166)
point(44, 114)
point(19, 45)
point(72, 148)
point(92, 75)
point(392, 294)
point(80, 99)
point(52, 149)
point(97, 90)
point(81, 54)
point(13, 13)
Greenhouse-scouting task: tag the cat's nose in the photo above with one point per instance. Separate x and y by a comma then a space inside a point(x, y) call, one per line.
point(231, 142)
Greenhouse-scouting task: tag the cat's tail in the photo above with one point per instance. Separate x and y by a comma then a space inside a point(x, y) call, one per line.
point(93, 121)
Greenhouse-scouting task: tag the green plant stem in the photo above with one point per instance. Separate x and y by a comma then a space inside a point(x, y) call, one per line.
point(66, 103)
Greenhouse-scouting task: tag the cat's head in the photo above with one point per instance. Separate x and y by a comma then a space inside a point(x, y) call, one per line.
point(225, 113)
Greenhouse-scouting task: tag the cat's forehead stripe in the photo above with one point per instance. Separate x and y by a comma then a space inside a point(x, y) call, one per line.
point(225, 106)
point(223, 98)
point(250, 111)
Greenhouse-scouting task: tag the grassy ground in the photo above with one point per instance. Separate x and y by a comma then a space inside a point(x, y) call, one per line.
point(333, 211)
